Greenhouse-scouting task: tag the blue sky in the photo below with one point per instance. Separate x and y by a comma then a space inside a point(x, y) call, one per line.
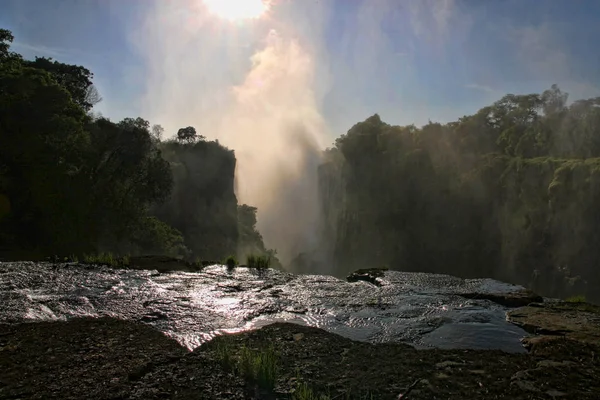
point(409, 60)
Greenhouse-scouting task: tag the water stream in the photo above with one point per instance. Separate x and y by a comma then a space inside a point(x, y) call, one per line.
point(424, 310)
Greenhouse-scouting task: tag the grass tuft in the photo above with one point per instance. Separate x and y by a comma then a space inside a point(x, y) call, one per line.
point(259, 366)
point(258, 262)
point(106, 259)
point(576, 299)
point(230, 261)
point(304, 392)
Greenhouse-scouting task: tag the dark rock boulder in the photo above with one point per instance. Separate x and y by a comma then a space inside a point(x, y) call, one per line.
point(370, 275)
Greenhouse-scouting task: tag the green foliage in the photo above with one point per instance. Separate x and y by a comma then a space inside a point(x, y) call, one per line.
point(155, 236)
point(71, 182)
point(106, 259)
point(259, 366)
point(510, 192)
point(258, 262)
point(223, 352)
point(188, 135)
point(304, 392)
point(576, 299)
point(230, 261)
point(75, 79)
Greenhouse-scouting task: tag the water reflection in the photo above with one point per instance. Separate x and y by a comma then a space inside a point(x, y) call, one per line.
point(420, 309)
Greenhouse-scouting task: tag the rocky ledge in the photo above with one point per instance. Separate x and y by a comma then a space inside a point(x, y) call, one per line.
point(107, 358)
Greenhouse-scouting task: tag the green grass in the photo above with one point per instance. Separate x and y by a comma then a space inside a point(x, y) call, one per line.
point(106, 259)
point(230, 261)
point(197, 264)
point(304, 392)
point(258, 262)
point(224, 355)
point(259, 366)
point(576, 299)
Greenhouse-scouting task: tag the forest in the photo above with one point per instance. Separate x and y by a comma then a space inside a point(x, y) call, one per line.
point(511, 192)
point(73, 183)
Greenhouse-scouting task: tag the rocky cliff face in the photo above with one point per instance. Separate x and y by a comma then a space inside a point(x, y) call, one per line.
point(203, 205)
point(391, 199)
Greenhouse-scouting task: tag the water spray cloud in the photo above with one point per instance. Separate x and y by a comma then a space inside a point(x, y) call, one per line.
point(257, 97)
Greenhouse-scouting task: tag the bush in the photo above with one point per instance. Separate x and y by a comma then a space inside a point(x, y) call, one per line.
point(106, 259)
point(258, 262)
point(576, 299)
point(230, 261)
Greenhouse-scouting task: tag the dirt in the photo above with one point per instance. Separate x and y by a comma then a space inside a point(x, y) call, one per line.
point(112, 359)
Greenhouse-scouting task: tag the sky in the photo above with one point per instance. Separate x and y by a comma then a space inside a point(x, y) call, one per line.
point(408, 60)
point(280, 88)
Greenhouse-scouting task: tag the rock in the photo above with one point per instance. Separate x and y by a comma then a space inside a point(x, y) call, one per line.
point(555, 393)
point(553, 364)
point(526, 385)
point(446, 364)
point(367, 275)
point(519, 298)
point(577, 321)
point(109, 359)
point(159, 263)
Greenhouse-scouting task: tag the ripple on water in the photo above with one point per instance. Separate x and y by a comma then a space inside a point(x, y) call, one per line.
point(422, 309)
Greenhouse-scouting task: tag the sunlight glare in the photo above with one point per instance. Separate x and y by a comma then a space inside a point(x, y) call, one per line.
point(234, 10)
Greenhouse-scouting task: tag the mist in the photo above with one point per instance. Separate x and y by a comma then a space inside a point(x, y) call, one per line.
point(257, 98)
point(277, 132)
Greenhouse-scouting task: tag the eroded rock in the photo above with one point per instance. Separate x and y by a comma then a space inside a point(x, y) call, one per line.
point(518, 298)
point(578, 321)
point(370, 275)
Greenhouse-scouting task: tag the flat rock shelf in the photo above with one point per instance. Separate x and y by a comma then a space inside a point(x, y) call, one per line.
point(105, 358)
point(72, 331)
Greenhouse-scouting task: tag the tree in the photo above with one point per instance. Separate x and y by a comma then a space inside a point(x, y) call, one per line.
point(188, 135)
point(6, 38)
point(92, 96)
point(42, 154)
point(6, 56)
point(157, 132)
point(74, 78)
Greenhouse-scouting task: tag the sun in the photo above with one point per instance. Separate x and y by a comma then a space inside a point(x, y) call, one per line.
point(235, 10)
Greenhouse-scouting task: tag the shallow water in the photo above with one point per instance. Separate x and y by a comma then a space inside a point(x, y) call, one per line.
point(421, 309)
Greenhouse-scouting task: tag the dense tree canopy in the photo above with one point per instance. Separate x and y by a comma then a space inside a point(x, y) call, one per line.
point(72, 183)
point(510, 192)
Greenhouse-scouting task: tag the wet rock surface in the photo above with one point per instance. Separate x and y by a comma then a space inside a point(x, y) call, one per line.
point(519, 298)
point(370, 275)
point(162, 264)
point(424, 310)
point(111, 359)
point(578, 321)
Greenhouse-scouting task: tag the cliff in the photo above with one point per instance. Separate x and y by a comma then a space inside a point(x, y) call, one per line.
point(202, 205)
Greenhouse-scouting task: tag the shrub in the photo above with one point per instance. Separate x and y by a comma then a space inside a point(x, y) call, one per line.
point(258, 262)
point(230, 261)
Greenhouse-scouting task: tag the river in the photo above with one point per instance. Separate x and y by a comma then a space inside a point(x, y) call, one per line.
point(425, 310)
